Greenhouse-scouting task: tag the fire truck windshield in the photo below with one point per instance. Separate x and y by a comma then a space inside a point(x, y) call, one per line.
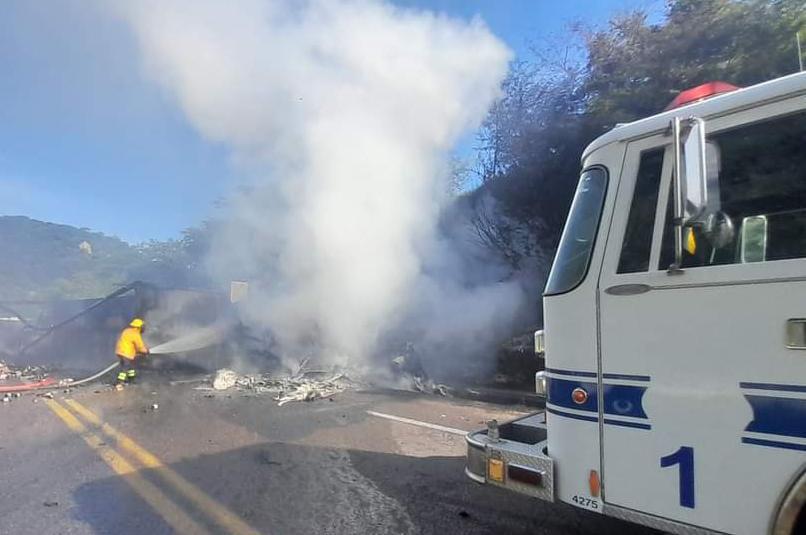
point(576, 244)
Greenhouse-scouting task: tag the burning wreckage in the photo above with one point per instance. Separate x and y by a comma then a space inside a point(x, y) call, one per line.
point(408, 367)
point(311, 384)
point(302, 386)
point(306, 384)
point(403, 371)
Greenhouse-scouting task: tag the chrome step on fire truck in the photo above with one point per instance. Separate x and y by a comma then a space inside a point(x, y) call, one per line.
point(675, 325)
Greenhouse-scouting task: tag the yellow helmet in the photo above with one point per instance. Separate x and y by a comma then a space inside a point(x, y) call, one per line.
point(137, 322)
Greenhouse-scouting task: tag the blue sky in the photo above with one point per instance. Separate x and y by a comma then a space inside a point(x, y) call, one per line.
point(87, 141)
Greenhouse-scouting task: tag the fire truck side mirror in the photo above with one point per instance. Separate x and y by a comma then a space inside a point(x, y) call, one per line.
point(695, 169)
point(690, 179)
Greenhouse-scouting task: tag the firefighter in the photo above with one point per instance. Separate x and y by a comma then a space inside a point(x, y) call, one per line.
point(130, 344)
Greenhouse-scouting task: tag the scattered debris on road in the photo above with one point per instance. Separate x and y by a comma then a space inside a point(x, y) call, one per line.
point(408, 366)
point(25, 373)
point(304, 386)
point(225, 379)
point(8, 396)
point(428, 386)
point(305, 389)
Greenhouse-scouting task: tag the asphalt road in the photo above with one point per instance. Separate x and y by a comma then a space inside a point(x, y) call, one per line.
point(100, 461)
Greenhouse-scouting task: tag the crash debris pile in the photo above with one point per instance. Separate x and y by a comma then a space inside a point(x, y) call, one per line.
point(408, 370)
point(427, 386)
point(23, 374)
point(303, 386)
point(225, 379)
point(7, 397)
point(11, 376)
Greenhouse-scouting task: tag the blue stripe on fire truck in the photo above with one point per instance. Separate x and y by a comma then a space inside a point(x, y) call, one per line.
point(779, 415)
point(572, 373)
point(622, 376)
point(623, 404)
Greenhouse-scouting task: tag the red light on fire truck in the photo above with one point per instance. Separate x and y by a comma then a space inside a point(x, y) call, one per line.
point(701, 92)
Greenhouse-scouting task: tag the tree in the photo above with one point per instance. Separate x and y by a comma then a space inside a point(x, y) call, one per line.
point(559, 100)
point(529, 147)
point(635, 69)
point(175, 263)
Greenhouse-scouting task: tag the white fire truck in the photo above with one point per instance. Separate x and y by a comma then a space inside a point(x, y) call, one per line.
point(675, 325)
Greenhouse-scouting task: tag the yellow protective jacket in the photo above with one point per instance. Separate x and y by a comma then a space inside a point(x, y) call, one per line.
point(130, 343)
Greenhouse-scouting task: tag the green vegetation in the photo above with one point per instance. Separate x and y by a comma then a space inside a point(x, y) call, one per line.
point(41, 261)
point(553, 105)
point(46, 261)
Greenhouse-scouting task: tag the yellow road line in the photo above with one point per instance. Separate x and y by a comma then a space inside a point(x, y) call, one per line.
point(176, 517)
point(219, 514)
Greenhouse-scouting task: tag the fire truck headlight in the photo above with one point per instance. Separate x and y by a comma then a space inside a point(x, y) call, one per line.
point(540, 343)
point(540, 383)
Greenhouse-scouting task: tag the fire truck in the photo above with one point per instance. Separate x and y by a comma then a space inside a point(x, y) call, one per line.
point(675, 325)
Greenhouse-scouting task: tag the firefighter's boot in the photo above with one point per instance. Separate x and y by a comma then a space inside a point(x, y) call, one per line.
point(122, 375)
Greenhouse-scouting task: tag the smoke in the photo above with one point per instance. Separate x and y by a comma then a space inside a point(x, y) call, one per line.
point(343, 113)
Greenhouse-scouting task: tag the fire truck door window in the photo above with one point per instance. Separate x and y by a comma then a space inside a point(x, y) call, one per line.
point(638, 236)
point(757, 205)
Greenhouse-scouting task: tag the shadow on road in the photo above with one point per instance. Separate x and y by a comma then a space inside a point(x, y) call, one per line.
point(288, 488)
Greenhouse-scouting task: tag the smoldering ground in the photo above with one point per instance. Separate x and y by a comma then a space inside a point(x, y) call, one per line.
point(343, 115)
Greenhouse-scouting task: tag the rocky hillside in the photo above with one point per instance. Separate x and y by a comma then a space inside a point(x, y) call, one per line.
point(40, 260)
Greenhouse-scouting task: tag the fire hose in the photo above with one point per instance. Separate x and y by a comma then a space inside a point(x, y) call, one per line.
point(50, 382)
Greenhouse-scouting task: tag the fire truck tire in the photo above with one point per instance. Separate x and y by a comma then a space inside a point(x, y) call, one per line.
point(800, 523)
point(791, 516)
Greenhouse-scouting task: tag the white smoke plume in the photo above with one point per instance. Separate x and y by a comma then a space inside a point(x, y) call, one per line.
point(344, 113)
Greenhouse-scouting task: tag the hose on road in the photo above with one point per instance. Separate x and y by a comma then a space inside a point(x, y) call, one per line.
point(50, 382)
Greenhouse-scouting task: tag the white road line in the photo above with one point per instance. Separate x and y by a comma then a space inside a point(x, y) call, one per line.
point(418, 423)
